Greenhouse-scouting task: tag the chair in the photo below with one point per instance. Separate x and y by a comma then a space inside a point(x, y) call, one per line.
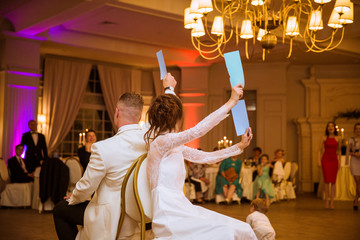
point(290, 184)
point(75, 172)
point(136, 189)
point(220, 198)
point(14, 194)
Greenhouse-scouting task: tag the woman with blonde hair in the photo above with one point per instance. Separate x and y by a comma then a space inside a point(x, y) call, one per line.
point(174, 217)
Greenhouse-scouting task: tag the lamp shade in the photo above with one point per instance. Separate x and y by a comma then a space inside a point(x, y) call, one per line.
point(334, 20)
point(348, 17)
point(292, 27)
point(316, 22)
point(205, 6)
point(198, 29)
point(246, 29)
point(194, 9)
point(189, 20)
point(257, 2)
point(261, 33)
point(218, 26)
point(342, 6)
point(322, 1)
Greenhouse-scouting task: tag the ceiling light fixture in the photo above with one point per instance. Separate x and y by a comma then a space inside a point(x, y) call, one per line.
point(269, 19)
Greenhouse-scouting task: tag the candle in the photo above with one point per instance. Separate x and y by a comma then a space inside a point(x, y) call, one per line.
point(226, 143)
point(230, 143)
point(83, 138)
point(342, 133)
point(219, 145)
point(224, 138)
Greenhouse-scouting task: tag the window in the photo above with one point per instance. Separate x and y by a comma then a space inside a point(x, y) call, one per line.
point(92, 115)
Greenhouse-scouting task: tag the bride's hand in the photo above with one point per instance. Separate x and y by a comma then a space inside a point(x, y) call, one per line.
point(245, 139)
point(236, 93)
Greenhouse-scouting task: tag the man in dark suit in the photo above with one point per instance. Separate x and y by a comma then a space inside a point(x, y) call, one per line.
point(17, 168)
point(36, 150)
point(85, 151)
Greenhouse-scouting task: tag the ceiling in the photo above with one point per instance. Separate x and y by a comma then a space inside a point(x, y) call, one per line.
point(131, 32)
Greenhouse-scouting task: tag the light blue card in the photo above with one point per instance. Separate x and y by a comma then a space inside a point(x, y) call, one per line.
point(240, 117)
point(162, 65)
point(235, 70)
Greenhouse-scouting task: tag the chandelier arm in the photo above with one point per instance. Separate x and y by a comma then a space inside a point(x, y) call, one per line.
point(263, 54)
point(290, 50)
point(208, 58)
point(322, 49)
point(246, 49)
point(329, 47)
point(198, 46)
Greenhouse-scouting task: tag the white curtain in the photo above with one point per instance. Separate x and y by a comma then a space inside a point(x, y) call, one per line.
point(114, 82)
point(64, 87)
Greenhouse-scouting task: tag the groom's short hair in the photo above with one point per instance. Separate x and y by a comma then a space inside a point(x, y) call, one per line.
point(133, 102)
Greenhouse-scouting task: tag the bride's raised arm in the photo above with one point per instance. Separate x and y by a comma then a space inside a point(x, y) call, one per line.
point(198, 156)
point(172, 140)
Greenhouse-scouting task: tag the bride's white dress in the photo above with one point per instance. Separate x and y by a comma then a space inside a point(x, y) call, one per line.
point(174, 217)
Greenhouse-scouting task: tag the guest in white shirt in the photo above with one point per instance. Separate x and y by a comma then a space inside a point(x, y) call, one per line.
point(17, 168)
point(259, 222)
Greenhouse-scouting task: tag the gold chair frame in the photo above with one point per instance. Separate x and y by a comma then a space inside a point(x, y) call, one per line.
point(135, 166)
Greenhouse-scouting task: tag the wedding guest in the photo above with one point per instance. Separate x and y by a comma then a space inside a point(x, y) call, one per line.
point(197, 177)
point(109, 161)
point(259, 222)
point(353, 151)
point(85, 151)
point(328, 159)
point(255, 159)
point(174, 217)
point(227, 179)
point(262, 185)
point(277, 172)
point(36, 150)
point(17, 168)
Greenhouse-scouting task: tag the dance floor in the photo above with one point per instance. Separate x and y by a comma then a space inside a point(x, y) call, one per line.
point(303, 218)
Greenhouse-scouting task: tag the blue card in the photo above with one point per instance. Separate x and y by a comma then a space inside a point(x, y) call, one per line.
point(240, 117)
point(162, 65)
point(233, 64)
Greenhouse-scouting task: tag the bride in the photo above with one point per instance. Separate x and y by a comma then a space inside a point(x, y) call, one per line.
point(174, 217)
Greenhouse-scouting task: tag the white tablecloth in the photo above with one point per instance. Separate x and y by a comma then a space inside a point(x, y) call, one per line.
point(210, 174)
point(246, 175)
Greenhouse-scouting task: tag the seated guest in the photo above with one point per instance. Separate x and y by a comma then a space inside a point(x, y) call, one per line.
point(255, 159)
point(278, 163)
point(197, 177)
point(227, 180)
point(259, 222)
point(85, 151)
point(262, 185)
point(17, 168)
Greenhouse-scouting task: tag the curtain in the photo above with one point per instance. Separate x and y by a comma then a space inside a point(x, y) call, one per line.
point(114, 82)
point(64, 87)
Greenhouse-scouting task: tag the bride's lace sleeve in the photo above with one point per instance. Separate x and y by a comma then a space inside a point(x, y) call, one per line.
point(172, 140)
point(197, 156)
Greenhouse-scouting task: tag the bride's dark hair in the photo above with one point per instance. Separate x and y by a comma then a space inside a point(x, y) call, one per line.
point(164, 112)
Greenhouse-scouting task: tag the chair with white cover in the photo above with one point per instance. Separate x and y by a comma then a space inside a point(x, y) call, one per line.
point(284, 193)
point(75, 171)
point(14, 194)
point(290, 184)
point(136, 195)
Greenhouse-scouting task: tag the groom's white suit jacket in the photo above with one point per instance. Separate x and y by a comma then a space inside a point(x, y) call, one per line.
point(110, 159)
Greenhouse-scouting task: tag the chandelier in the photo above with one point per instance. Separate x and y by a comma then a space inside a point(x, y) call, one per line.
point(289, 19)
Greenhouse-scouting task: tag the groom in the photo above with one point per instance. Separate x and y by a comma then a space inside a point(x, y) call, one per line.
point(109, 162)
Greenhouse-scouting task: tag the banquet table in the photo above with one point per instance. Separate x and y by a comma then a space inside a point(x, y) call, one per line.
point(246, 176)
point(345, 183)
point(210, 174)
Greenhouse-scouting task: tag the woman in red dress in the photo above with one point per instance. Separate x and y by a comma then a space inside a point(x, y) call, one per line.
point(330, 150)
